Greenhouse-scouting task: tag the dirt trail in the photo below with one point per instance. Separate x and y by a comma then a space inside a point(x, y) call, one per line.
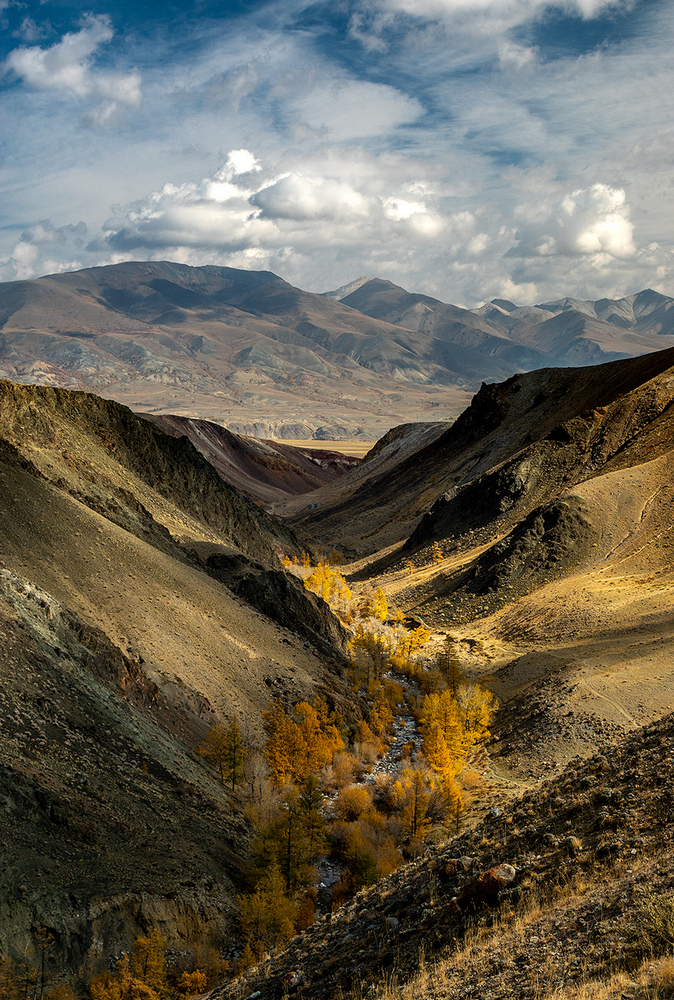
point(584, 682)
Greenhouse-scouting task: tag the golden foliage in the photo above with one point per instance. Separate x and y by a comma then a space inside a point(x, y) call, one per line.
point(352, 802)
point(121, 985)
point(303, 744)
point(191, 984)
point(329, 583)
point(266, 916)
point(476, 708)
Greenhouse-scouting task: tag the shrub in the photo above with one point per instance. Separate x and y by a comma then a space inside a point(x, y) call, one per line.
point(352, 802)
point(651, 930)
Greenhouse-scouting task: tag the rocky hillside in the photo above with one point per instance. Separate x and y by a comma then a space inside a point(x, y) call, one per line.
point(141, 600)
point(548, 897)
point(519, 443)
point(265, 471)
point(536, 530)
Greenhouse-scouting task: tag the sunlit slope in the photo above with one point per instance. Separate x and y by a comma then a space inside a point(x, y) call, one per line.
point(519, 444)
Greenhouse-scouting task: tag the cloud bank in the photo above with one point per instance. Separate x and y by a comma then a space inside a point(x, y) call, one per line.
point(465, 148)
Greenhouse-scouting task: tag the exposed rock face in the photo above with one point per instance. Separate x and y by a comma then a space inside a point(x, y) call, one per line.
point(282, 598)
point(265, 471)
point(53, 427)
point(100, 801)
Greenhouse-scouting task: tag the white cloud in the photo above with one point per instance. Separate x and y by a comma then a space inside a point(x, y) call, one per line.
point(46, 232)
point(311, 198)
point(511, 55)
point(24, 260)
point(586, 222)
point(514, 11)
point(21, 262)
point(66, 66)
point(448, 175)
point(354, 109)
point(29, 31)
point(523, 294)
point(298, 210)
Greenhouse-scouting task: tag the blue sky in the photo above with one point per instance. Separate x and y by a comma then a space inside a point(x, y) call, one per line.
point(466, 148)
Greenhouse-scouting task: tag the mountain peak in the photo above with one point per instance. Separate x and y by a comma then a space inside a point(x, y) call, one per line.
point(352, 286)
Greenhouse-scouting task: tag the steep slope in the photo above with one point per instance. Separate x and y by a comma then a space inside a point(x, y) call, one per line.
point(544, 899)
point(265, 471)
point(123, 638)
point(516, 445)
point(548, 553)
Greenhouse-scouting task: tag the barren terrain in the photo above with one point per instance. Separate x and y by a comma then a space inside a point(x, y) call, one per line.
point(146, 597)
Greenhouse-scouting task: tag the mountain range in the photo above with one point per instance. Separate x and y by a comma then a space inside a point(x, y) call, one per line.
point(248, 350)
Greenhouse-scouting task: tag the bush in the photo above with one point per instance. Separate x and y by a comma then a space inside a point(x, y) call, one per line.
point(651, 930)
point(353, 801)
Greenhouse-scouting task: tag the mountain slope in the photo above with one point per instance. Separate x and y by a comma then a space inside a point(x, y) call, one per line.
point(543, 899)
point(244, 348)
point(537, 531)
point(515, 446)
point(565, 332)
point(264, 471)
point(123, 639)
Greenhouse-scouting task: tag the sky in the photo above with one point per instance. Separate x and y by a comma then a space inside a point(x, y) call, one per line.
point(467, 149)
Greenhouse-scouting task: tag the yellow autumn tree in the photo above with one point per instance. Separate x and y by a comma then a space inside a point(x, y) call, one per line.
point(329, 583)
point(192, 984)
point(442, 710)
point(266, 916)
point(476, 709)
point(301, 744)
point(285, 746)
point(214, 748)
point(412, 796)
point(121, 985)
point(317, 751)
point(439, 757)
point(148, 961)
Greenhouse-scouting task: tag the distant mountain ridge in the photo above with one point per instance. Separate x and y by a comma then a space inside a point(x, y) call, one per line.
point(248, 350)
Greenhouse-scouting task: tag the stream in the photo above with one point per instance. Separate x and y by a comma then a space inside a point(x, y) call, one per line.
point(405, 731)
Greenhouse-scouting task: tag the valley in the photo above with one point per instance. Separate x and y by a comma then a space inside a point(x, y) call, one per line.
point(162, 575)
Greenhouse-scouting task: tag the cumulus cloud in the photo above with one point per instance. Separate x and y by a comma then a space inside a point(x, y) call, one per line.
point(230, 212)
point(66, 66)
point(586, 222)
point(25, 260)
point(311, 198)
point(46, 232)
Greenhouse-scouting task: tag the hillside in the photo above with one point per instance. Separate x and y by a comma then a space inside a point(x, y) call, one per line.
point(243, 348)
point(537, 531)
point(564, 332)
point(563, 893)
point(141, 600)
point(264, 471)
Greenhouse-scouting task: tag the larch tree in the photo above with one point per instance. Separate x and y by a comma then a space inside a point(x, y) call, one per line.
point(214, 749)
point(476, 707)
point(234, 753)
